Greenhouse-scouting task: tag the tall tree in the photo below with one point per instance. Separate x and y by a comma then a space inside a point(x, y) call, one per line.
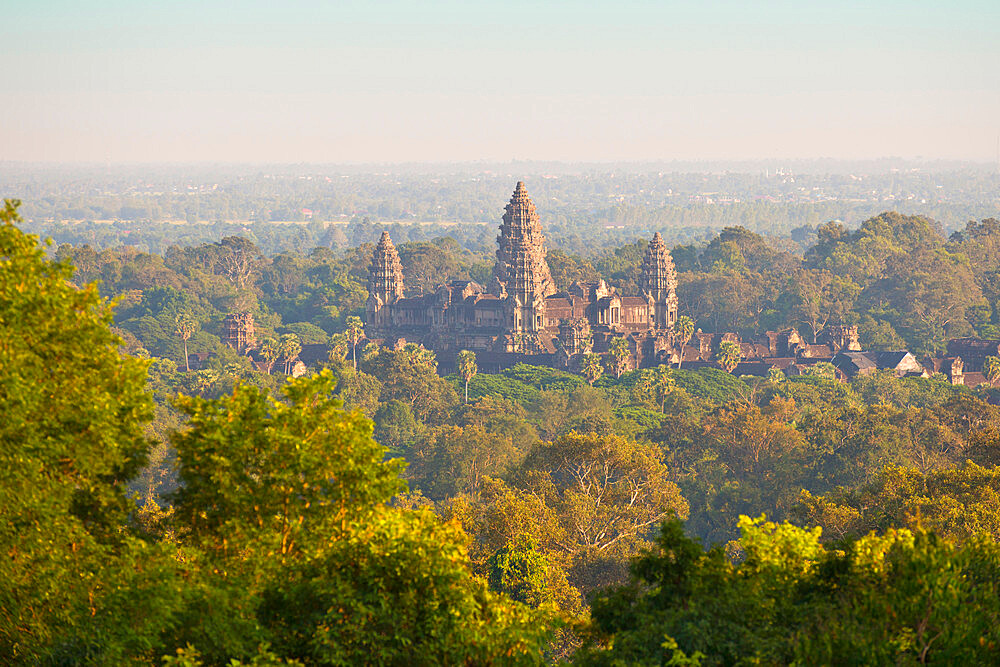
point(410, 375)
point(591, 368)
point(184, 326)
point(288, 497)
point(899, 598)
point(467, 368)
point(663, 385)
point(290, 348)
point(238, 259)
point(820, 296)
point(620, 355)
point(607, 491)
point(72, 415)
point(354, 332)
point(728, 356)
point(270, 351)
point(683, 329)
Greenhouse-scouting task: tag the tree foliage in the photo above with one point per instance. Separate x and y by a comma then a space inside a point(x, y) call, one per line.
point(899, 598)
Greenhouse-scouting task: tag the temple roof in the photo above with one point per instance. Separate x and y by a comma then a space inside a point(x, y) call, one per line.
point(385, 242)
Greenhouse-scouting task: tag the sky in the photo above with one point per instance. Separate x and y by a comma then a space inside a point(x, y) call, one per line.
point(338, 81)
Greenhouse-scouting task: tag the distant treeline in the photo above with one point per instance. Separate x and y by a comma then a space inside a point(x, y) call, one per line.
point(580, 211)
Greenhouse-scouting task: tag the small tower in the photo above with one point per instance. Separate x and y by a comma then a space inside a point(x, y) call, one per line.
point(658, 284)
point(841, 337)
point(385, 286)
point(238, 332)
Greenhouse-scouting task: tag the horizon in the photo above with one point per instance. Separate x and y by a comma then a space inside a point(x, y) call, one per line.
point(398, 82)
point(542, 167)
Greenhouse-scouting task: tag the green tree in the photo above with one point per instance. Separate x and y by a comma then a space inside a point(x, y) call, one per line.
point(338, 348)
point(899, 598)
point(467, 368)
point(395, 426)
point(354, 332)
point(823, 369)
point(290, 348)
point(728, 356)
point(925, 295)
point(620, 355)
point(360, 390)
point(455, 459)
point(591, 368)
point(270, 351)
point(518, 571)
point(288, 499)
point(683, 329)
point(608, 492)
point(184, 326)
point(397, 590)
point(73, 585)
point(663, 385)
point(410, 375)
point(991, 370)
point(291, 469)
point(956, 503)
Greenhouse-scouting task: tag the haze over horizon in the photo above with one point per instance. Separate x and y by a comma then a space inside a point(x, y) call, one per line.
point(113, 81)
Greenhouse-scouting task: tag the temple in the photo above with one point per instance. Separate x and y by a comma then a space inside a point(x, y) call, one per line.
point(520, 315)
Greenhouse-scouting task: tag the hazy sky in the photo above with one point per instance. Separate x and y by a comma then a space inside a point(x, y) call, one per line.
point(338, 81)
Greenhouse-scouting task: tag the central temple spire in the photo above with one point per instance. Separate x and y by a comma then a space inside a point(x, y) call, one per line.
point(521, 271)
point(521, 265)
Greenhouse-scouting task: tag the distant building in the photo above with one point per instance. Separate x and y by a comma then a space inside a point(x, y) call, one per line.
point(953, 368)
point(238, 332)
point(900, 362)
point(973, 351)
point(519, 315)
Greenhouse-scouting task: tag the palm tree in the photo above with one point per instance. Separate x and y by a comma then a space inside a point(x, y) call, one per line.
point(663, 383)
point(590, 367)
point(355, 330)
point(684, 328)
point(338, 348)
point(289, 346)
point(184, 326)
point(729, 356)
point(620, 353)
point(467, 368)
point(270, 350)
point(991, 370)
point(205, 379)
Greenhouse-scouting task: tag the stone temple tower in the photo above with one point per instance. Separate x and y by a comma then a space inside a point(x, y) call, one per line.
point(521, 269)
point(385, 285)
point(658, 284)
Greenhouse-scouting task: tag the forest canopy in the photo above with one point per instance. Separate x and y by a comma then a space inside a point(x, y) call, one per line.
point(373, 510)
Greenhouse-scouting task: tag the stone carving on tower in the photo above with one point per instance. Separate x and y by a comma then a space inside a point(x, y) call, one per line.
point(521, 270)
point(658, 284)
point(385, 286)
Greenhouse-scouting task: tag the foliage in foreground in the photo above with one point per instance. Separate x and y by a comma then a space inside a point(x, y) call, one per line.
point(280, 546)
point(782, 597)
